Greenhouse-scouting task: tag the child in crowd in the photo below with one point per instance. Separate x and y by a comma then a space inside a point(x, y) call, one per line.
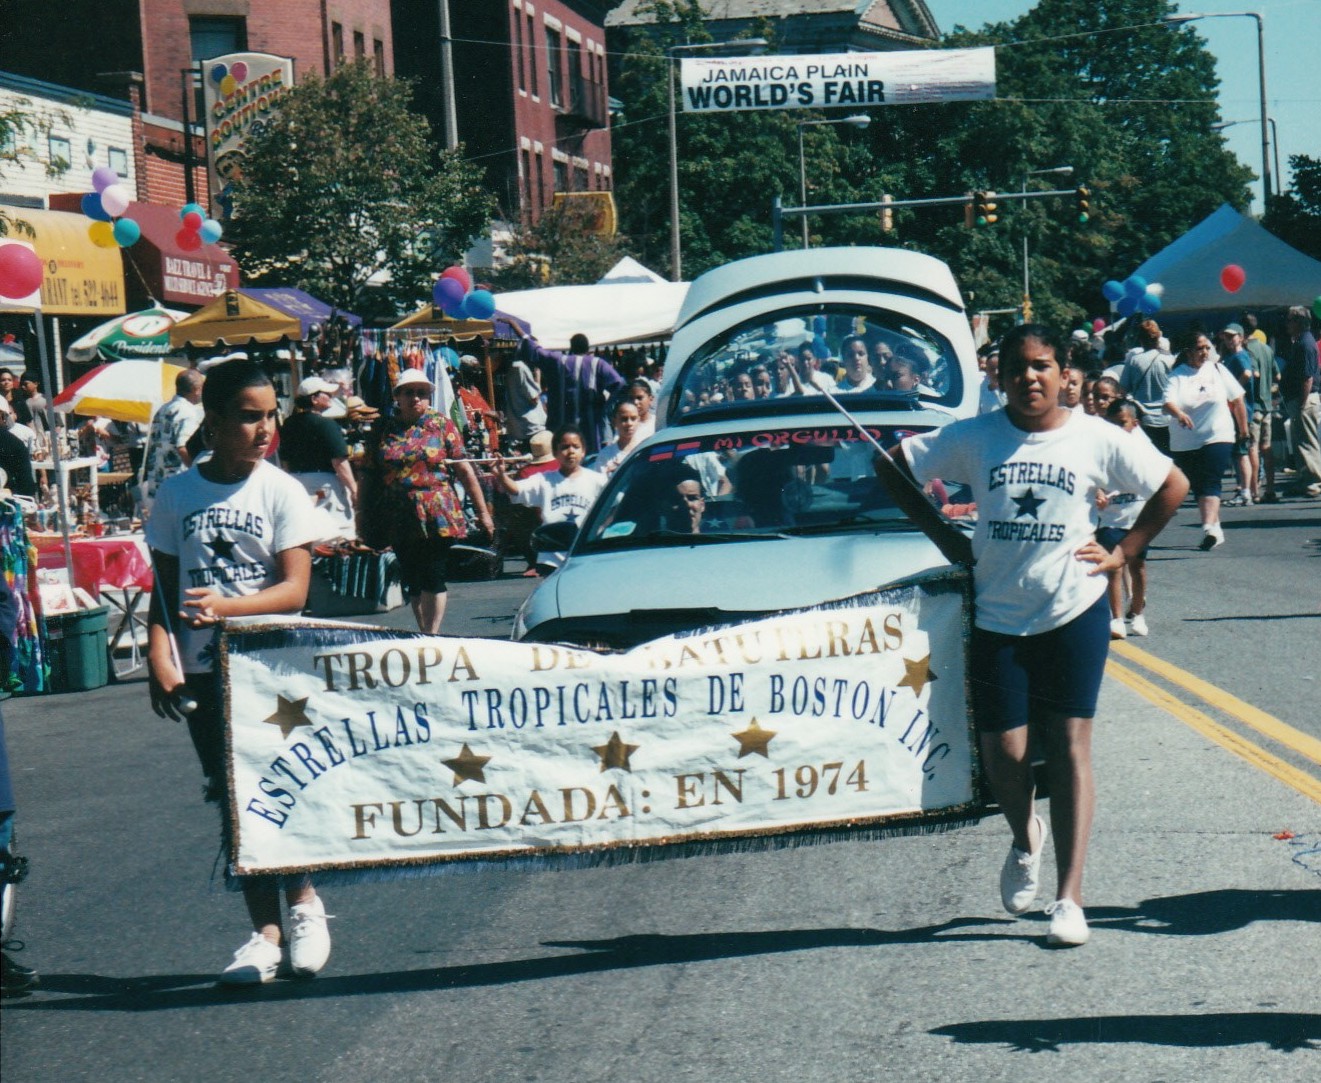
point(231, 537)
point(1041, 633)
point(639, 392)
point(1117, 512)
point(562, 496)
point(628, 423)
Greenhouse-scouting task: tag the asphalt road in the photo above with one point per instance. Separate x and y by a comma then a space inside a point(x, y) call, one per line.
point(855, 961)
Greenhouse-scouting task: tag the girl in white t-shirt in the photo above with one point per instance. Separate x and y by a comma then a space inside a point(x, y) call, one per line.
point(1042, 627)
point(562, 496)
point(231, 537)
point(627, 420)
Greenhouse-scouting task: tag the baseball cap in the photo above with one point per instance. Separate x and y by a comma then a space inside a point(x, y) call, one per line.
point(1233, 329)
point(314, 385)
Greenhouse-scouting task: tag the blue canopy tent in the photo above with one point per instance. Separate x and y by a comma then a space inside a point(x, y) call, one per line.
point(1275, 275)
point(304, 306)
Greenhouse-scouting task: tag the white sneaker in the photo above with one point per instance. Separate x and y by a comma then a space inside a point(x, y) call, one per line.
point(1068, 925)
point(254, 963)
point(1138, 625)
point(1020, 873)
point(1214, 537)
point(1117, 629)
point(309, 938)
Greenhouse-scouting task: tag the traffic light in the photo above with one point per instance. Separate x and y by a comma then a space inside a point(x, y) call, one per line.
point(1084, 196)
point(985, 210)
point(887, 215)
point(1027, 309)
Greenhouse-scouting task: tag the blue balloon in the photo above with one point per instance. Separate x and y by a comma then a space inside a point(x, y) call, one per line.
point(1149, 303)
point(211, 231)
point(188, 208)
point(1127, 305)
point(93, 209)
point(819, 348)
point(819, 325)
point(1135, 285)
point(448, 294)
point(479, 305)
point(1112, 290)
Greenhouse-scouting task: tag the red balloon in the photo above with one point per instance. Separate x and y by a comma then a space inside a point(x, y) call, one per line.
point(193, 221)
point(459, 275)
point(20, 271)
point(1232, 277)
point(188, 240)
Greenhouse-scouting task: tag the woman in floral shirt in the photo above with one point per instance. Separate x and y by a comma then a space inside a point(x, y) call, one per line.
point(408, 498)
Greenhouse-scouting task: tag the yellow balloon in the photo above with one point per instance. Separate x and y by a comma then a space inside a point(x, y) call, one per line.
point(228, 85)
point(102, 234)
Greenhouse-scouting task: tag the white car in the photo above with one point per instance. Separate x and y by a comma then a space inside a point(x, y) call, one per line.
point(743, 503)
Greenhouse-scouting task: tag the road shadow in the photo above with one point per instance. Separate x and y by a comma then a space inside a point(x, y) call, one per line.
point(1198, 914)
point(1286, 1032)
point(1254, 616)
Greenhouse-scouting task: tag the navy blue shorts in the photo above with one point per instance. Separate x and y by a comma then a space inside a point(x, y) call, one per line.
point(1018, 680)
point(1110, 536)
point(1205, 466)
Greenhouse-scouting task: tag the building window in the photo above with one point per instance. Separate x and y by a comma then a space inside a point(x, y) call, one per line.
point(575, 73)
point(359, 46)
point(527, 182)
point(561, 175)
point(61, 154)
point(336, 45)
point(378, 53)
point(580, 180)
point(518, 48)
point(554, 69)
point(117, 159)
point(216, 35)
point(532, 55)
point(541, 182)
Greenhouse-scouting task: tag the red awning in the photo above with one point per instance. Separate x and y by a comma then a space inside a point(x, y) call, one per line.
point(163, 269)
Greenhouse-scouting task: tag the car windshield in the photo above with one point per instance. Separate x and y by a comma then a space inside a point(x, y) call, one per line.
point(879, 359)
point(757, 484)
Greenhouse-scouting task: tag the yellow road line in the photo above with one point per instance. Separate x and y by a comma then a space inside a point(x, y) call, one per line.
point(1226, 738)
point(1267, 725)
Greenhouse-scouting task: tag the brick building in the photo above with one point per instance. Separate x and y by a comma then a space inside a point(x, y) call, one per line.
point(140, 50)
point(530, 92)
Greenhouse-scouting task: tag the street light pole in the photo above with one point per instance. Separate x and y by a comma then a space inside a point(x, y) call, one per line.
point(1059, 170)
point(676, 256)
point(856, 120)
point(1175, 20)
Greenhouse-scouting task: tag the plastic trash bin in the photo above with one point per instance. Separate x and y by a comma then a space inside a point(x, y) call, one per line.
point(77, 649)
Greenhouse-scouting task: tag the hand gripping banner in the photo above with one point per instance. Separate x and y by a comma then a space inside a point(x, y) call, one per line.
point(367, 752)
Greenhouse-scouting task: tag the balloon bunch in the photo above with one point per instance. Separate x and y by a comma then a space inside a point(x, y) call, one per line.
point(105, 206)
point(228, 77)
point(196, 229)
point(1134, 294)
point(453, 294)
point(20, 271)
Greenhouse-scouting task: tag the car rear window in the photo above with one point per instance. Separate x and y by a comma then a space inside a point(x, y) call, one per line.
point(878, 359)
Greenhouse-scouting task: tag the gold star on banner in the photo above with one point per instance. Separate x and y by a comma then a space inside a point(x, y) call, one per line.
point(467, 767)
point(615, 753)
point(918, 674)
point(289, 715)
point(753, 739)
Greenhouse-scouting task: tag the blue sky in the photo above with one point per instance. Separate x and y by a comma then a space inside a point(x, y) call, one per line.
point(1293, 67)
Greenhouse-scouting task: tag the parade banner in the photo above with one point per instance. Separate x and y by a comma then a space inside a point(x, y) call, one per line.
point(239, 92)
point(369, 752)
point(836, 80)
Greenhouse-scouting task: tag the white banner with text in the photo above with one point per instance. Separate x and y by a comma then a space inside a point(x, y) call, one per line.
point(353, 748)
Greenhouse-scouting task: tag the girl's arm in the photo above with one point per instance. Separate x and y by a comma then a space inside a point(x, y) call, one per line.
point(164, 677)
point(474, 489)
point(293, 568)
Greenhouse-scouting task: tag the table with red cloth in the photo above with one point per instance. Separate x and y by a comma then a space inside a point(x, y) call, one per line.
point(121, 562)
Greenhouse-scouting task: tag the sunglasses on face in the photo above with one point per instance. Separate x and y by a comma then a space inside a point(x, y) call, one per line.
point(414, 392)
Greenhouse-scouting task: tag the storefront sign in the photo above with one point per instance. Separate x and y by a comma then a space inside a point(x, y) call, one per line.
point(836, 80)
point(239, 91)
point(79, 278)
point(354, 748)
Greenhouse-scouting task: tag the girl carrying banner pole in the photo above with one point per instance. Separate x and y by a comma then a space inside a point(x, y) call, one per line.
point(1042, 626)
point(231, 537)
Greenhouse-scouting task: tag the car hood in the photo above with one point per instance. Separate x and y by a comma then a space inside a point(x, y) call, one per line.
point(607, 599)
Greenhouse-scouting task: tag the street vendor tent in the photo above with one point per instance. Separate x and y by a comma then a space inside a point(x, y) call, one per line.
point(608, 313)
point(234, 319)
point(1275, 275)
point(293, 302)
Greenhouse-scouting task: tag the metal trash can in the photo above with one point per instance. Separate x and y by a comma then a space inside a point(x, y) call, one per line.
point(77, 649)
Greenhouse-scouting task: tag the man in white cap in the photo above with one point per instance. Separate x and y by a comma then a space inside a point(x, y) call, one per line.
point(171, 429)
point(313, 450)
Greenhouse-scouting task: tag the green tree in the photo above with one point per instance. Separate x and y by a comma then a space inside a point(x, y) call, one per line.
point(563, 249)
point(1295, 215)
point(344, 195)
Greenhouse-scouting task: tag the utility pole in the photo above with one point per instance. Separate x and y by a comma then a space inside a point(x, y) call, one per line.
point(447, 77)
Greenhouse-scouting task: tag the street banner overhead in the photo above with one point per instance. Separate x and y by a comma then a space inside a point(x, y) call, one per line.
point(836, 80)
point(369, 752)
